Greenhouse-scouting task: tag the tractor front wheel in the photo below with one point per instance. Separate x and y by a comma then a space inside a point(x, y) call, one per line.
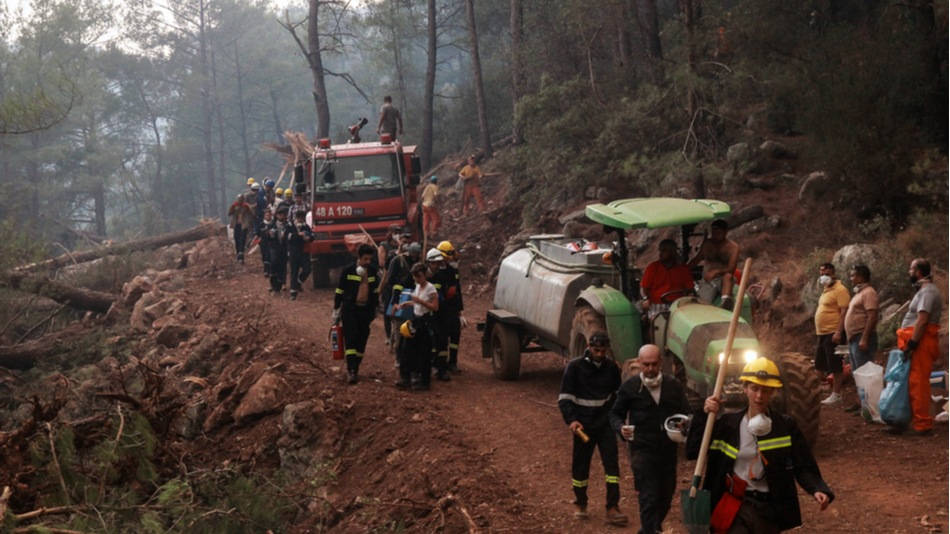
point(505, 352)
point(800, 395)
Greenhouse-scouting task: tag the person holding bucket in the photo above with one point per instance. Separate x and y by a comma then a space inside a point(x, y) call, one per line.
point(755, 458)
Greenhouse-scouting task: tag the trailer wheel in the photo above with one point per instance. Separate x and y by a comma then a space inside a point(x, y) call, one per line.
point(799, 397)
point(505, 352)
point(586, 323)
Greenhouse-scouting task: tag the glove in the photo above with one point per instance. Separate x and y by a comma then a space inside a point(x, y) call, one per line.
point(463, 321)
point(335, 317)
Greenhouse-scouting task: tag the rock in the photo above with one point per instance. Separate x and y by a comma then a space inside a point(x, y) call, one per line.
point(854, 254)
point(774, 149)
point(140, 319)
point(764, 183)
point(738, 153)
point(262, 398)
point(172, 334)
point(744, 215)
point(733, 181)
point(188, 422)
point(133, 290)
point(815, 186)
point(590, 192)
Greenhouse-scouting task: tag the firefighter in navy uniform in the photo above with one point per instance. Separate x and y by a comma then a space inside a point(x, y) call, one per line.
point(355, 303)
point(755, 458)
point(587, 394)
point(299, 234)
point(446, 281)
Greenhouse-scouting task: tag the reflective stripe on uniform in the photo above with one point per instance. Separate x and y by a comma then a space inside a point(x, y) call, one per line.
point(354, 277)
point(613, 479)
point(371, 279)
point(397, 287)
point(725, 448)
point(578, 483)
point(359, 354)
point(453, 345)
point(437, 286)
point(339, 291)
point(775, 443)
point(443, 353)
point(590, 403)
point(351, 351)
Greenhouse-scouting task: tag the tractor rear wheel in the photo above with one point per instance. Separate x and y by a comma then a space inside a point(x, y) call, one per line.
point(505, 352)
point(586, 323)
point(800, 396)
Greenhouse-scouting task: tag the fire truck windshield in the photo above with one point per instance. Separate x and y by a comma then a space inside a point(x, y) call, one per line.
point(377, 171)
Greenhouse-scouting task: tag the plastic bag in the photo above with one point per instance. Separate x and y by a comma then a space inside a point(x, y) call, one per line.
point(895, 399)
point(869, 378)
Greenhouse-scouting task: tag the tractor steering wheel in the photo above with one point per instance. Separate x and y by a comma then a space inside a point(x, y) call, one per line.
point(682, 292)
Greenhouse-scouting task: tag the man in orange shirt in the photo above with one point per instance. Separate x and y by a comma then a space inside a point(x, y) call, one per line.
point(471, 175)
point(665, 280)
point(430, 214)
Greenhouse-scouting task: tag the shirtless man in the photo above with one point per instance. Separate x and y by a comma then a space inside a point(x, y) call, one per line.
point(719, 256)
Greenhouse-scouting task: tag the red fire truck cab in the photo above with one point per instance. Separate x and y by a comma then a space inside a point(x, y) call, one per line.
point(372, 185)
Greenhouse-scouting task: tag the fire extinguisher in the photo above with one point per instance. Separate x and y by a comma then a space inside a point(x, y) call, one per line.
point(336, 341)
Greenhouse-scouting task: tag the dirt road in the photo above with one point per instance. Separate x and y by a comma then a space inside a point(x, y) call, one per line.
point(883, 483)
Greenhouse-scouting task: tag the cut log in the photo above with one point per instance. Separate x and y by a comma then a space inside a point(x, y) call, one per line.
point(24, 355)
point(195, 233)
point(76, 297)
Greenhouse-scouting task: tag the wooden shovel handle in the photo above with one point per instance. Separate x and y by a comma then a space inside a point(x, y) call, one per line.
point(584, 437)
point(720, 377)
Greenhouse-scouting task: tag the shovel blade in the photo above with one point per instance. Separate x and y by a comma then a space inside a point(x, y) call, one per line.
point(696, 511)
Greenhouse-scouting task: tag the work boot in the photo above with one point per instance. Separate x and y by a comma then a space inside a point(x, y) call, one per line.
point(293, 294)
point(443, 375)
point(615, 517)
point(580, 511)
point(402, 384)
point(351, 377)
point(454, 369)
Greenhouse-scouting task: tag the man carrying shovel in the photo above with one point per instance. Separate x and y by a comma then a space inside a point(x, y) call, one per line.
point(755, 458)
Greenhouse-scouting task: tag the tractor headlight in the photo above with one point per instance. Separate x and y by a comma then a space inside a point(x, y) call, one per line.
point(750, 356)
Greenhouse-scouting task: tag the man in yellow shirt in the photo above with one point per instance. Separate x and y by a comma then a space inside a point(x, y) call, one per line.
point(471, 175)
point(430, 215)
point(832, 307)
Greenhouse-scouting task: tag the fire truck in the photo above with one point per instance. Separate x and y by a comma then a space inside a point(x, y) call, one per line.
point(357, 187)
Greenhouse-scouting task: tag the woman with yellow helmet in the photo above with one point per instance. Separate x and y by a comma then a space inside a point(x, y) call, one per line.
point(755, 458)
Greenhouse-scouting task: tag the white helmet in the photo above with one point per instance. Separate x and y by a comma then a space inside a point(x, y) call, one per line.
point(677, 427)
point(434, 255)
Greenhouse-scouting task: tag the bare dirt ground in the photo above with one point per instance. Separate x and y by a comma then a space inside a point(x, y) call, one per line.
point(514, 432)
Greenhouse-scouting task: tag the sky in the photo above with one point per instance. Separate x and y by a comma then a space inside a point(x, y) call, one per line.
point(13, 5)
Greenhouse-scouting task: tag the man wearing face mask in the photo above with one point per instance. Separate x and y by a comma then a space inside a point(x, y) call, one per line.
point(831, 310)
point(355, 305)
point(755, 458)
point(587, 393)
point(644, 402)
point(918, 338)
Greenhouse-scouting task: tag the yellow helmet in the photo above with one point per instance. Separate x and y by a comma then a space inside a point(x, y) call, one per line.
point(406, 330)
point(250, 181)
point(288, 193)
point(279, 191)
point(446, 249)
point(763, 372)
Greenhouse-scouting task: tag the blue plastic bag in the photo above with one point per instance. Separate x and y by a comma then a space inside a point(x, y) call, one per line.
point(404, 313)
point(895, 399)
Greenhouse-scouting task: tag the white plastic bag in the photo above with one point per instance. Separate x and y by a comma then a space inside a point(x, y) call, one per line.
point(869, 378)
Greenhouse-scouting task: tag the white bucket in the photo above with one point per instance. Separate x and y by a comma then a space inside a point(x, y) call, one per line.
point(869, 378)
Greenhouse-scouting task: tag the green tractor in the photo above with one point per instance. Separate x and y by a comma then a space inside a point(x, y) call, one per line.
point(552, 295)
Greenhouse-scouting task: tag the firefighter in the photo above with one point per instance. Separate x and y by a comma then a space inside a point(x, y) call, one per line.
point(587, 394)
point(277, 235)
point(446, 281)
point(258, 203)
point(398, 278)
point(416, 354)
point(268, 192)
point(755, 458)
point(264, 241)
point(278, 198)
point(242, 223)
point(298, 205)
point(299, 235)
point(435, 262)
point(355, 304)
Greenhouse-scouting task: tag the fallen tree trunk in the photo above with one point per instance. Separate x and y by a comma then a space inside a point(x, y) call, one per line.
point(24, 355)
point(76, 297)
point(195, 233)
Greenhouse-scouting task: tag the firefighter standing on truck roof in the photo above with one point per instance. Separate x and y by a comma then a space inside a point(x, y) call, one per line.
point(755, 457)
point(587, 394)
point(355, 304)
point(446, 281)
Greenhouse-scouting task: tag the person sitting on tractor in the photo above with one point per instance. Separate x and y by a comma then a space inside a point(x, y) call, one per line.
point(719, 256)
point(664, 280)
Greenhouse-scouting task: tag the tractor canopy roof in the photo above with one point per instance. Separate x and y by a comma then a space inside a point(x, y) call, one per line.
point(656, 212)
